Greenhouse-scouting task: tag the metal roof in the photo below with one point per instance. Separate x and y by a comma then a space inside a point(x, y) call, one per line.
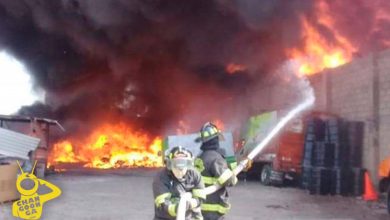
point(17, 118)
point(14, 144)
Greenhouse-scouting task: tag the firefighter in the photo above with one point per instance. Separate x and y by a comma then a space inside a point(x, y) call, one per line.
point(177, 178)
point(384, 183)
point(388, 200)
point(214, 168)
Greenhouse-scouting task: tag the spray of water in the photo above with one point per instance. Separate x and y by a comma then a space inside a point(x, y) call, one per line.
point(280, 125)
point(309, 98)
point(289, 70)
point(294, 112)
point(306, 92)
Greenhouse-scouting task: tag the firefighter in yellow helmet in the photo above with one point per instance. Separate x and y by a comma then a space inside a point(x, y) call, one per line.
point(384, 183)
point(214, 168)
point(177, 178)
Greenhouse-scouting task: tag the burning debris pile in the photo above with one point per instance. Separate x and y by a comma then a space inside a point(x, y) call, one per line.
point(110, 146)
point(121, 74)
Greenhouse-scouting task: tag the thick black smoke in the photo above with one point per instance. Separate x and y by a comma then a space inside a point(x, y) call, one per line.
point(154, 62)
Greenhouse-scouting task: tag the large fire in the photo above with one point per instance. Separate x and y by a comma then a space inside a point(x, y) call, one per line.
point(114, 146)
point(319, 53)
point(120, 145)
point(110, 146)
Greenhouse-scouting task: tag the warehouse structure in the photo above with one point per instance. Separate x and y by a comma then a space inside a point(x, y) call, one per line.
point(356, 91)
point(360, 91)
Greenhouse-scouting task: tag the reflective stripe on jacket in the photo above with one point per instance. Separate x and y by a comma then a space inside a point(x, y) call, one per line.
point(213, 168)
point(167, 190)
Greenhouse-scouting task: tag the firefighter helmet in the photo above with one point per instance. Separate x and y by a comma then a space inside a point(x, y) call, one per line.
point(179, 158)
point(207, 132)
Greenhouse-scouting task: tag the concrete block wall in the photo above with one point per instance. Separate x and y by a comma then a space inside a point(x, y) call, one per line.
point(351, 90)
point(273, 94)
point(384, 104)
point(360, 91)
point(351, 97)
point(318, 82)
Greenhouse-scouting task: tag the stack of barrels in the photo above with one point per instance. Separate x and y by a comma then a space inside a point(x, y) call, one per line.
point(332, 158)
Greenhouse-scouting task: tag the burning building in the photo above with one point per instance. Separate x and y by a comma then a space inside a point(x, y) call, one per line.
point(119, 75)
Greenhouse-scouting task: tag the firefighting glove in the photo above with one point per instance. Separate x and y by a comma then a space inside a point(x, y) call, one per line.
point(192, 204)
point(249, 164)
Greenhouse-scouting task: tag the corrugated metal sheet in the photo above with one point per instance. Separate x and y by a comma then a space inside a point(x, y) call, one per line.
point(14, 144)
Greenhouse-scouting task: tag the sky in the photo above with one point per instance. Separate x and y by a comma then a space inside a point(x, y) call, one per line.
point(16, 87)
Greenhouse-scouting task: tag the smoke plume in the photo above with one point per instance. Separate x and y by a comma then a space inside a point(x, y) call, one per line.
point(154, 63)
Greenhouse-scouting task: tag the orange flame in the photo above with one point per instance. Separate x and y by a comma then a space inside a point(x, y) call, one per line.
point(382, 14)
point(110, 146)
point(318, 53)
point(186, 128)
point(233, 68)
point(218, 123)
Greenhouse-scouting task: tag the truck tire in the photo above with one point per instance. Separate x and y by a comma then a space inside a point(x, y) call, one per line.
point(265, 176)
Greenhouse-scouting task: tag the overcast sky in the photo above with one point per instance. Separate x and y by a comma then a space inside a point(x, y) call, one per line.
point(15, 85)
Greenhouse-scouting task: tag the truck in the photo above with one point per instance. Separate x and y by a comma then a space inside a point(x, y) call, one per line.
point(280, 160)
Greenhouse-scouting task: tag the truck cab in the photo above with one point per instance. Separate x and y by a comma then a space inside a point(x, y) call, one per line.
point(280, 160)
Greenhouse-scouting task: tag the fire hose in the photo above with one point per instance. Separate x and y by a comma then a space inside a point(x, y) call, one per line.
point(181, 210)
point(243, 163)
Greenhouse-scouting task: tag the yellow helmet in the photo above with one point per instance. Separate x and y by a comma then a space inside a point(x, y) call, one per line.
point(208, 132)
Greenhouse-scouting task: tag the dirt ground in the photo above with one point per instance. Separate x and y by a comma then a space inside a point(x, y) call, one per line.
point(128, 195)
